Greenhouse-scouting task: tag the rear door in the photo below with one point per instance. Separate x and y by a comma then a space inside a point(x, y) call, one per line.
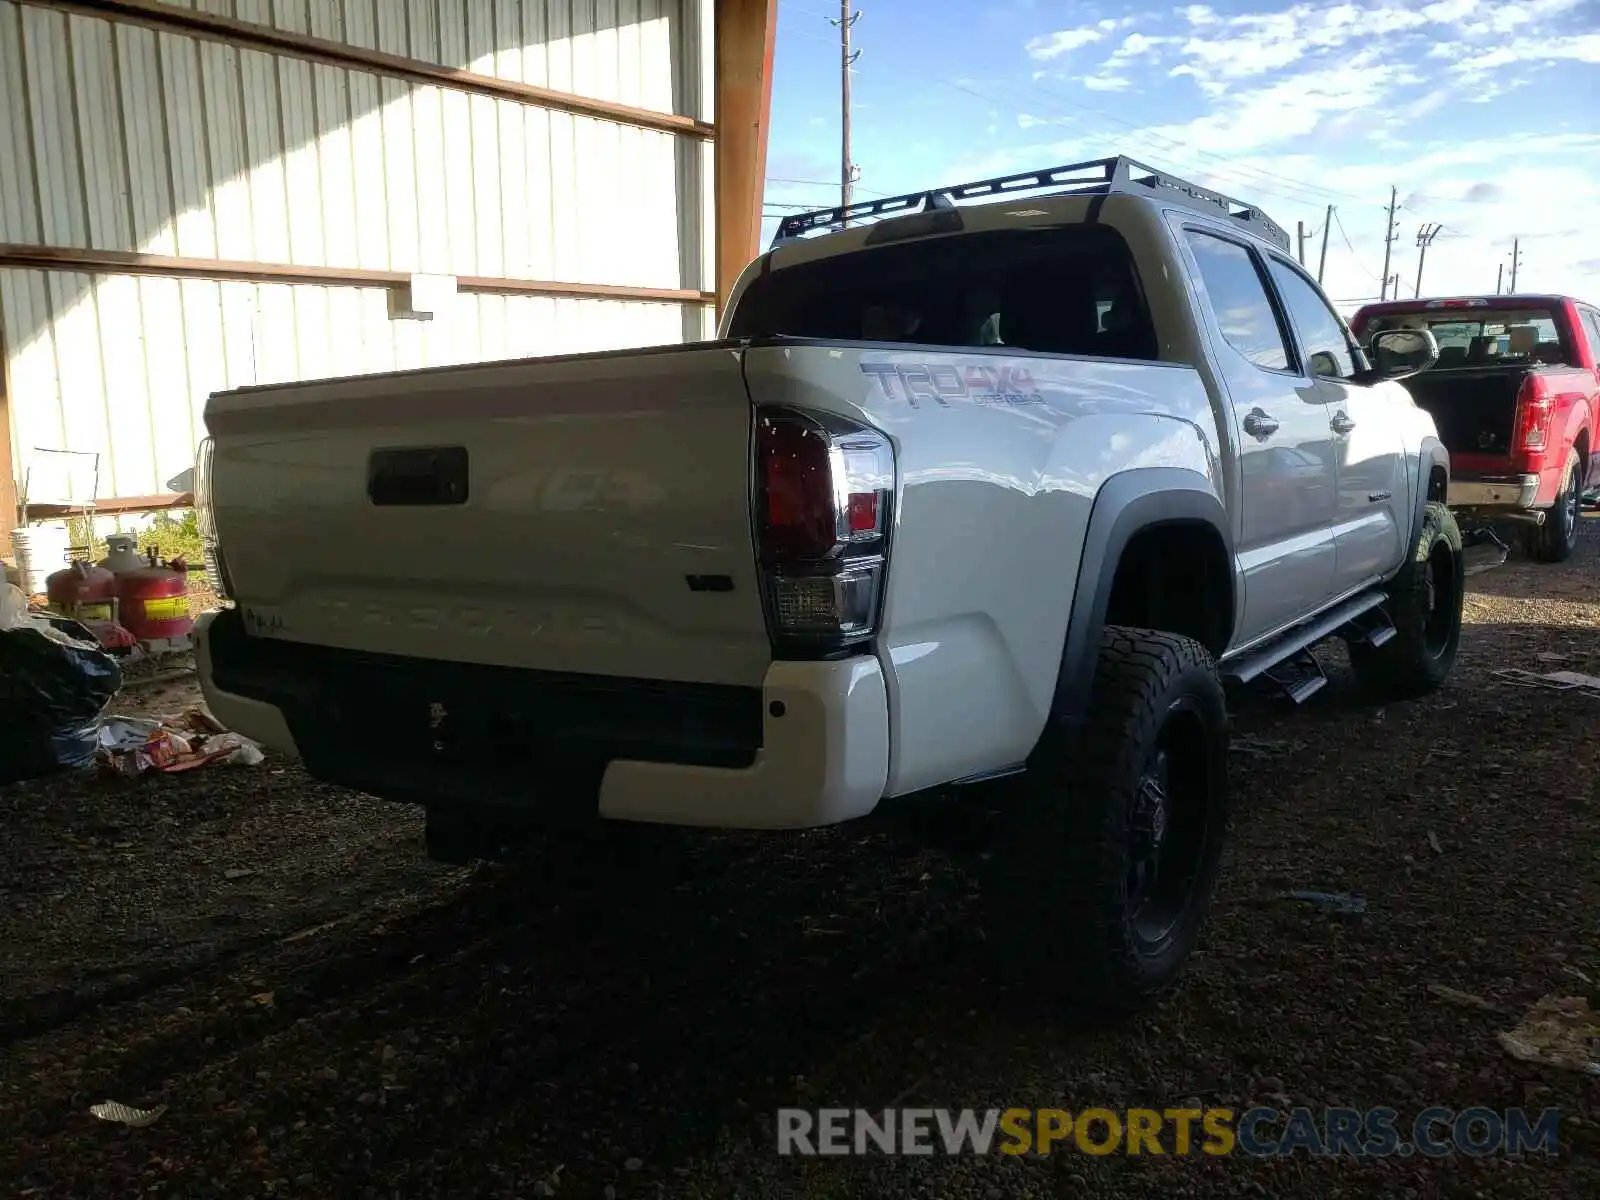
point(1370, 459)
point(1287, 484)
point(586, 514)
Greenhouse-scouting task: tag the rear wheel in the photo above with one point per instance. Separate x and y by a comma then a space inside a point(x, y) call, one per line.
point(1105, 865)
point(1425, 607)
point(1555, 540)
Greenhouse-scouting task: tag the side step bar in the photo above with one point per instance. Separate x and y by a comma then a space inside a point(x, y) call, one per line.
point(1482, 550)
point(1288, 645)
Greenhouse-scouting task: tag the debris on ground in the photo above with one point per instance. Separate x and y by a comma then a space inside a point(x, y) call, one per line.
point(1433, 843)
point(1464, 999)
point(1561, 681)
point(110, 635)
point(137, 1118)
point(1558, 1031)
point(55, 681)
point(1260, 747)
point(1339, 904)
point(132, 746)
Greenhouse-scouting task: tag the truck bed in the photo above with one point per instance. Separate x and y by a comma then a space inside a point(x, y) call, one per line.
point(1475, 410)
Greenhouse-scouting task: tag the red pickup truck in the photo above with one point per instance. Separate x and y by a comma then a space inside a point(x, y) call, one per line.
point(1515, 395)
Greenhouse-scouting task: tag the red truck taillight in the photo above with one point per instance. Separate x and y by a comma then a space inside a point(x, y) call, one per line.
point(824, 501)
point(1535, 406)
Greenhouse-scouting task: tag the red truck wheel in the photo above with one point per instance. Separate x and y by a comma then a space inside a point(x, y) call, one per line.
point(1555, 540)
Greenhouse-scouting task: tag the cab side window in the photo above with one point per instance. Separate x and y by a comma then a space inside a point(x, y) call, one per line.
point(1327, 345)
point(1238, 299)
point(1592, 320)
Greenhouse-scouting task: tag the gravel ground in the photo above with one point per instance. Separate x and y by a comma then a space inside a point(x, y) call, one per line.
point(326, 1014)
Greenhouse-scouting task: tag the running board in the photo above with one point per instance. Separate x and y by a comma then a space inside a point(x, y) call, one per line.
point(1287, 645)
point(1482, 550)
point(1298, 677)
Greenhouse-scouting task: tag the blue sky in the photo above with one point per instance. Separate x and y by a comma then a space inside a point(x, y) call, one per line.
point(1485, 115)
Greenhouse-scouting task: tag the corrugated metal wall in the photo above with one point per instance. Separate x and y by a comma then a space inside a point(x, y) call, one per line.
point(115, 137)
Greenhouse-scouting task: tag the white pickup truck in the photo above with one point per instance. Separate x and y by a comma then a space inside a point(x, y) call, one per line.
point(963, 491)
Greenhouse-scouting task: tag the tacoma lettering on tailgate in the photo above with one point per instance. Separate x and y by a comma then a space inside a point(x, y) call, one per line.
point(944, 383)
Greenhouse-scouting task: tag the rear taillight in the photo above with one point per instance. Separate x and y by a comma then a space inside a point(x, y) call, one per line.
point(825, 490)
point(205, 519)
point(1535, 406)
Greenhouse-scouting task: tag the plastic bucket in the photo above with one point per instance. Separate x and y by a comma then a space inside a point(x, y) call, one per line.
point(40, 551)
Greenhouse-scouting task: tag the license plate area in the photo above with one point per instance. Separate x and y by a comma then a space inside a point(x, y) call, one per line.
point(418, 476)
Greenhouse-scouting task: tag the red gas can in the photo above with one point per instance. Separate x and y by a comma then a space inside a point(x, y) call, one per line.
point(84, 592)
point(155, 602)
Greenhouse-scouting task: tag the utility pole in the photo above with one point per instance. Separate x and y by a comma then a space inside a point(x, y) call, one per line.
point(1327, 221)
point(1389, 237)
point(1425, 235)
point(1516, 261)
point(847, 169)
point(1300, 241)
point(1500, 279)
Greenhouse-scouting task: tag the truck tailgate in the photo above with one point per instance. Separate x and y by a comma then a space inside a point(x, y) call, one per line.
point(586, 514)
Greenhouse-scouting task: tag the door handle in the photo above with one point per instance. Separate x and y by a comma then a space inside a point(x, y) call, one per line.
point(1259, 425)
point(1341, 423)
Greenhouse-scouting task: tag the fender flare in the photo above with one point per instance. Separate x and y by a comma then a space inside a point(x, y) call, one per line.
point(1431, 454)
point(1586, 475)
point(1127, 504)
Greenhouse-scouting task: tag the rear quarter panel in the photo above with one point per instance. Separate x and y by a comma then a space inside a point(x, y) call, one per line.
point(999, 461)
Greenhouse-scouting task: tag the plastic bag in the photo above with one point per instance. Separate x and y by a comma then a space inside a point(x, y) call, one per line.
point(55, 682)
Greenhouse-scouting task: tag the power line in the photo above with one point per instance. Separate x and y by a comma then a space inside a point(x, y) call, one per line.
point(1355, 258)
point(805, 33)
point(827, 183)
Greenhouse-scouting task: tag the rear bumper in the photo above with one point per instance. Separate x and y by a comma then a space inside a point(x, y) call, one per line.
point(810, 747)
point(1485, 493)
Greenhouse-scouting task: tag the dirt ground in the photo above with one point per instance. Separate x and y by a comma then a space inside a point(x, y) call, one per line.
point(325, 1014)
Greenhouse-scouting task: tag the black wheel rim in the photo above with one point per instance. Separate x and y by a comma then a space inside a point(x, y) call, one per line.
point(1169, 828)
point(1569, 509)
point(1440, 584)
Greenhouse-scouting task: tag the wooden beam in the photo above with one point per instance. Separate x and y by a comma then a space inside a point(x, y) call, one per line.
point(122, 262)
point(170, 19)
point(111, 506)
point(8, 473)
point(745, 33)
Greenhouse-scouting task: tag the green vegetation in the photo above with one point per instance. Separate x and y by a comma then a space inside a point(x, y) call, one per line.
point(175, 537)
point(174, 534)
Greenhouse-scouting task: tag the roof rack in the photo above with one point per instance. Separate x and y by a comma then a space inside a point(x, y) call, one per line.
point(1098, 177)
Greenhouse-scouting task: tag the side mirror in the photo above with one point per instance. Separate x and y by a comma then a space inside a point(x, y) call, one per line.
point(1397, 353)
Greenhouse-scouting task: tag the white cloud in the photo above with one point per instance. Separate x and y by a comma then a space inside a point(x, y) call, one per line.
point(1582, 48)
point(1063, 41)
point(1136, 44)
point(1363, 92)
point(1507, 18)
point(1278, 112)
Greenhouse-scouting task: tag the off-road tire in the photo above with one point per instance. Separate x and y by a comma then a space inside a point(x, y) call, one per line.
point(1425, 607)
point(1555, 540)
point(1061, 907)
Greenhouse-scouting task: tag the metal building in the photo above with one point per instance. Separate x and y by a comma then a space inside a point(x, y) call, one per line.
point(201, 194)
